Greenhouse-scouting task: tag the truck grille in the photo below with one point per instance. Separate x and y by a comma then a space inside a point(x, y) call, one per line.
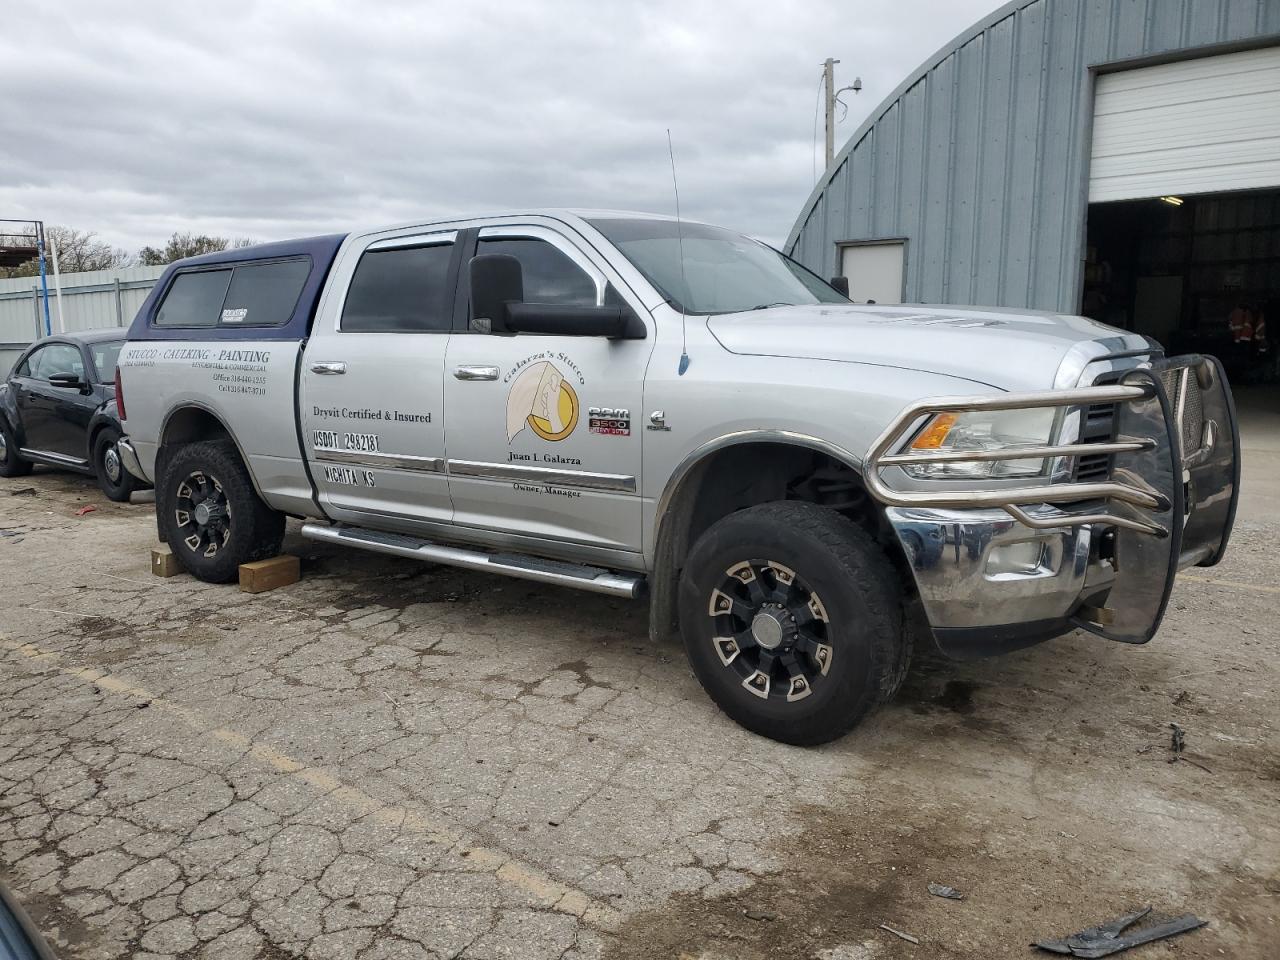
point(1188, 408)
point(1098, 427)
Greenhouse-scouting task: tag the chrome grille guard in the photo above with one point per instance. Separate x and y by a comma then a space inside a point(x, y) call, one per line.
point(1170, 498)
point(1126, 486)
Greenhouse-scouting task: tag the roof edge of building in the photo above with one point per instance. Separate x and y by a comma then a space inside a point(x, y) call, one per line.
point(930, 63)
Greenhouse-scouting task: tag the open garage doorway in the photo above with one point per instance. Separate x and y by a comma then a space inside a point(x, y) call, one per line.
point(1198, 273)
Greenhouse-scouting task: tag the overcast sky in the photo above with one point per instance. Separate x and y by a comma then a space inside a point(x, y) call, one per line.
point(278, 119)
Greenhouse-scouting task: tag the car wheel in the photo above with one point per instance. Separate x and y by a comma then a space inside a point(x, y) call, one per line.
point(792, 621)
point(210, 515)
point(11, 465)
point(116, 482)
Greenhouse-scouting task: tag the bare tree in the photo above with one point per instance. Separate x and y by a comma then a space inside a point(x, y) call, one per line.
point(182, 245)
point(78, 250)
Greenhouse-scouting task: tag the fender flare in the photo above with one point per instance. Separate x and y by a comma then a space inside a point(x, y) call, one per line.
point(663, 615)
point(221, 421)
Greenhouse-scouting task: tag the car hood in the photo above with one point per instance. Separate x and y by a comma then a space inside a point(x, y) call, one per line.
point(1007, 349)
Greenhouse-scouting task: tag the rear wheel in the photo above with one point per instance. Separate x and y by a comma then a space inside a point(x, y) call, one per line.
point(210, 515)
point(792, 621)
point(115, 481)
point(11, 465)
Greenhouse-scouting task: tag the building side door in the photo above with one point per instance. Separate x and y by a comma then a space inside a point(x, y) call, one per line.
point(874, 270)
point(372, 402)
point(543, 440)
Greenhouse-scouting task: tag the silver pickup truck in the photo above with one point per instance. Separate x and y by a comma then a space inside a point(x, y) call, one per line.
point(631, 405)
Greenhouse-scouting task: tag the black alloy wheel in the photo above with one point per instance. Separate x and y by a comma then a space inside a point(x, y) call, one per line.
point(202, 514)
point(792, 617)
point(770, 630)
point(210, 514)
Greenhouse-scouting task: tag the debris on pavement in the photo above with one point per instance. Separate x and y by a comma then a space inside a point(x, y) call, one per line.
point(1177, 748)
point(899, 934)
point(1109, 938)
point(87, 509)
point(751, 913)
point(942, 890)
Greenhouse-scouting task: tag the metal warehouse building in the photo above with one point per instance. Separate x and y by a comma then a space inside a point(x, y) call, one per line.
point(1118, 158)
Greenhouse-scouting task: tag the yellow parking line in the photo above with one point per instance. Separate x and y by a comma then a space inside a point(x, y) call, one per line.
point(548, 891)
point(1256, 587)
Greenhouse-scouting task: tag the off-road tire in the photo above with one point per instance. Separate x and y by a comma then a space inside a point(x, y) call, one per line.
point(119, 488)
point(839, 563)
point(255, 530)
point(11, 465)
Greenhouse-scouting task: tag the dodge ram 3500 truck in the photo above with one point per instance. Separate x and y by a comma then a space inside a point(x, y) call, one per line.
point(626, 403)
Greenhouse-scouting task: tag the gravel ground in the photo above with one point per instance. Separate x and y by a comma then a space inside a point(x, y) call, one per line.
point(390, 760)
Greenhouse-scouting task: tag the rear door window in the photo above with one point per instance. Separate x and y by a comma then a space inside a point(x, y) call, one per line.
point(194, 299)
point(400, 290)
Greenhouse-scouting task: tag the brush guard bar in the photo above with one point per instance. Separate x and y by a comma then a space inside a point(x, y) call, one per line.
point(1169, 500)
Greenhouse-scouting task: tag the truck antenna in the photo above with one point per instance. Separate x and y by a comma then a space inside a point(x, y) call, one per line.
point(684, 336)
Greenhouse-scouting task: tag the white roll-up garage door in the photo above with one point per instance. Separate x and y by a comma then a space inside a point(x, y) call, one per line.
point(1196, 126)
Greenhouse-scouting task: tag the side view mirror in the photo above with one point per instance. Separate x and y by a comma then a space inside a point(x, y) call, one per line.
point(841, 285)
point(497, 306)
point(69, 381)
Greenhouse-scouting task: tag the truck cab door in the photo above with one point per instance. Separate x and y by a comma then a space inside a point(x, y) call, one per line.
point(542, 442)
point(372, 397)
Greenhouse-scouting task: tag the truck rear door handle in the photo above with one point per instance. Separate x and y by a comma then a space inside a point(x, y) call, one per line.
point(329, 367)
point(469, 371)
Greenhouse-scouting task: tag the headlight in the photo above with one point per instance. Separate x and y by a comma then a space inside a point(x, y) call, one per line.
point(995, 430)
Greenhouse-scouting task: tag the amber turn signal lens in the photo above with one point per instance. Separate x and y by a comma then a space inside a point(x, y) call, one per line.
point(935, 432)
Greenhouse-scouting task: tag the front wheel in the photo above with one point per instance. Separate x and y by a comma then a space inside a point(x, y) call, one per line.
point(113, 478)
point(210, 515)
point(792, 621)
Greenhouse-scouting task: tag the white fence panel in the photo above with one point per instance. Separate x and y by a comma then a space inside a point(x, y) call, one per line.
point(90, 301)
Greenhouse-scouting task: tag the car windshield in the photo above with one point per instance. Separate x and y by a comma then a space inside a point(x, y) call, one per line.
point(105, 355)
point(723, 272)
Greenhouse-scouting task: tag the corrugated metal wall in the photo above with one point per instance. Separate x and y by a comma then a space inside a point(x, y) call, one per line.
point(980, 159)
point(90, 301)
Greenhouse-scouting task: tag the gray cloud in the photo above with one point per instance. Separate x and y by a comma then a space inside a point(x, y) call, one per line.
point(276, 119)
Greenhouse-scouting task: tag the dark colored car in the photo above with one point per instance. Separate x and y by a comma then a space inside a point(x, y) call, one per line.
point(57, 407)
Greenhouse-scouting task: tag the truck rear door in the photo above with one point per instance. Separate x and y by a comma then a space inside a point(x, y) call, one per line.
point(372, 393)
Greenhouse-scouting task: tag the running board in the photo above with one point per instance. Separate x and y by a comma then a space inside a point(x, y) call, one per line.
point(593, 579)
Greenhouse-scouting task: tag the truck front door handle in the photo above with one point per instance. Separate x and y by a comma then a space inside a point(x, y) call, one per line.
point(469, 371)
point(329, 368)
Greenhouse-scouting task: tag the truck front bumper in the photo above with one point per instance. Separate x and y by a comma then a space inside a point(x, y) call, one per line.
point(1003, 567)
point(989, 584)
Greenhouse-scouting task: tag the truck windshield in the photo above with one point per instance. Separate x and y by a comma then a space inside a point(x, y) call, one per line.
point(723, 272)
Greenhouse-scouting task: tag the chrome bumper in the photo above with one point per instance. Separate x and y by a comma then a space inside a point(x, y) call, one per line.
point(1002, 566)
point(129, 457)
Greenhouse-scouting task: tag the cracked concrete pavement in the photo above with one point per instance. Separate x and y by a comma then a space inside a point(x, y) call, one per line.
point(389, 760)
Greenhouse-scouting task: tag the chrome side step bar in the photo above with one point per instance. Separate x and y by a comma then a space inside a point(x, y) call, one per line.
point(593, 579)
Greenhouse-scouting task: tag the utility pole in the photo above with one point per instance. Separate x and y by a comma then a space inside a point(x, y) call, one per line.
point(832, 98)
point(829, 78)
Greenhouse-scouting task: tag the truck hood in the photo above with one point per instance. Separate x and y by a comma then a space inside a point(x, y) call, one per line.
point(1006, 349)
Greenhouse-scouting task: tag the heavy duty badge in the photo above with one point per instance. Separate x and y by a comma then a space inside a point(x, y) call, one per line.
point(610, 421)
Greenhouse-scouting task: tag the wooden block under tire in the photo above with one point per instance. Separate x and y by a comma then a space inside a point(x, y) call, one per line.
point(164, 563)
point(263, 575)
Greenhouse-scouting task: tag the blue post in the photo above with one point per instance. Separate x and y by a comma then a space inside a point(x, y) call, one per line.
point(44, 281)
